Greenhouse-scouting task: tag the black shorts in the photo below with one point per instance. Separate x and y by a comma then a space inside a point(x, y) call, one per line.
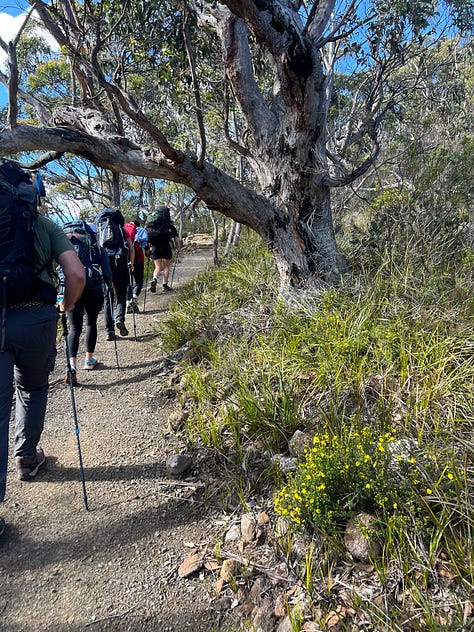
point(161, 251)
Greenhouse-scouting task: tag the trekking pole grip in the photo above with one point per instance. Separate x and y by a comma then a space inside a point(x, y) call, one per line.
point(64, 323)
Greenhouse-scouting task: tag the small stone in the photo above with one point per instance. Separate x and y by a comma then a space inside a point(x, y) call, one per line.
point(178, 463)
point(263, 618)
point(230, 569)
point(280, 607)
point(222, 604)
point(286, 463)
point(177, 420)
point(285, 625)
point(190, 565)
point(258, 590)
point(361, 546)
point(262, 519)
point(298, 443)
point(247, 527)
point(233, 534)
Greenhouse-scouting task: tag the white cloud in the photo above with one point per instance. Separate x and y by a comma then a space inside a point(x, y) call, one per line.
point(9, 27)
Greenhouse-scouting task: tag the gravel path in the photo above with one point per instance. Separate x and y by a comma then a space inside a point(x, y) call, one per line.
point(114, 567)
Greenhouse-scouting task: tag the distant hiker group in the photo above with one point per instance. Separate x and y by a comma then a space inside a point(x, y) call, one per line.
point(97, 265)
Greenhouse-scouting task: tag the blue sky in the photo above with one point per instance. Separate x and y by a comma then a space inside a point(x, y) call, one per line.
point(10, 21)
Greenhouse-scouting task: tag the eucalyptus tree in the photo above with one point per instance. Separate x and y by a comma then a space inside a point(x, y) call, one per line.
point(275, 81)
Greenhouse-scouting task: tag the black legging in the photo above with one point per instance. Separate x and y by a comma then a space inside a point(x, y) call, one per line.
point(120, 278)
point(91, 303)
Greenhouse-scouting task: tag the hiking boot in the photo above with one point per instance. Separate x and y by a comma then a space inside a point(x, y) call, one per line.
point(73, 377)
point(27, 466)
point(121, 327)
point(153, 285)
point(110, 335)
point(135, 307)
point(90, 364)
point(166, 288)
point(2, 526)
point(129, 307)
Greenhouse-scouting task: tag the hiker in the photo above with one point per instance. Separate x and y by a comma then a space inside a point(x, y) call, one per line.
point(96, 264)
point(161, 231)
point(29, 243)
point(110, 236)
point(140, 242)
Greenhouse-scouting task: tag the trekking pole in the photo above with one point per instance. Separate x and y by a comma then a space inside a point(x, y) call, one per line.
point(109, 292)
point(74, 410)
point(146, 280)
point(174, 268)
point(132, 304)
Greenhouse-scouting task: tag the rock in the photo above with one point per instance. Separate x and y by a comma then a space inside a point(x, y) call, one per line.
point(247, 527)
point(262, 519)
point(285, 625)
point(178, 463)
point(258, 590)
point(263, 618)
point(361, 546)
point(222, 604)
point(233, 534)
point(286, 463)
point(403, 448)
point(177, 420)
point(230, 568)
point(298, 443)
point(280, 606)
point(219, 586)
point(190, 565)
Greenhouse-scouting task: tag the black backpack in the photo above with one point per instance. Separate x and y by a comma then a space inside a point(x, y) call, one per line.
point(19, 272)
point(158, 225)
point(110, 233)
point(88, 252)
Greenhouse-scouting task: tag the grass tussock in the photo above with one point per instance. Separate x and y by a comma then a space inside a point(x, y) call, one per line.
point(380, 375)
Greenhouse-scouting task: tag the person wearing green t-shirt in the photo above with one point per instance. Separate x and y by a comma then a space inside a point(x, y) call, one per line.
point(28, 354)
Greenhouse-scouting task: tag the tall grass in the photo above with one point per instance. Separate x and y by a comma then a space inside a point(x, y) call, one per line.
point(390, 354)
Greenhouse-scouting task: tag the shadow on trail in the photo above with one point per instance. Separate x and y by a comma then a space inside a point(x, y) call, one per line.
point(125, 375)
point(56, 473)
point(117, 533)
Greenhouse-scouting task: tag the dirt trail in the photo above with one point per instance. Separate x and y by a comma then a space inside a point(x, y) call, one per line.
point(112, 568)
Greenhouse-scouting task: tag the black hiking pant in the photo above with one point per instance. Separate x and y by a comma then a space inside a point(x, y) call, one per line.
point(120, 279)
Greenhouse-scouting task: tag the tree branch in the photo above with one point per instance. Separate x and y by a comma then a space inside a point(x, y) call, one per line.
point(197, 94)
point(41, 110)
point(331, 181)
point(237, 61)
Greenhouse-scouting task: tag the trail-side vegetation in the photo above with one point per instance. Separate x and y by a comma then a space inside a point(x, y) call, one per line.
point(379, 374)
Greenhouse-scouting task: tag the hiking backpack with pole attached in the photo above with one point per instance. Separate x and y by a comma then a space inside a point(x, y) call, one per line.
point(110, 233)
point(88, 252)
point(158, 225)
point(20, 271)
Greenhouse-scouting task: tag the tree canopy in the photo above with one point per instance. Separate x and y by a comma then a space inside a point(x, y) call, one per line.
point(301, 92)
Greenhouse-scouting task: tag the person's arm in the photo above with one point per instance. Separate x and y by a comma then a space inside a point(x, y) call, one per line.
point(177, 244)
point(74, 278)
